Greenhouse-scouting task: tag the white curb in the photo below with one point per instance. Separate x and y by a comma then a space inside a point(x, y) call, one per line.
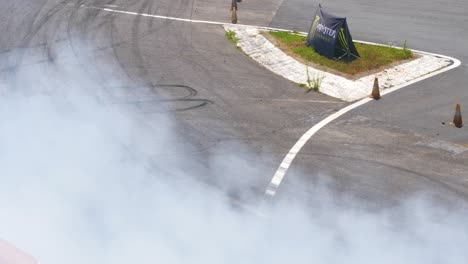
point(264, 52)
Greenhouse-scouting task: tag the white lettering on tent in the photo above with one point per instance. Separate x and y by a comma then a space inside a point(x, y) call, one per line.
point(326, 31)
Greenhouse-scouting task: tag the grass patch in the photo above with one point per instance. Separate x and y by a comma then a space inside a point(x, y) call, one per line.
point(372, 57)
point(231, 35)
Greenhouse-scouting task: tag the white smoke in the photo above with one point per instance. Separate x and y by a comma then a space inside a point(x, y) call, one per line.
point(84, 180)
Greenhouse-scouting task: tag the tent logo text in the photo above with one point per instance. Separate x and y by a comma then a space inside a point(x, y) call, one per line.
point(326, 31)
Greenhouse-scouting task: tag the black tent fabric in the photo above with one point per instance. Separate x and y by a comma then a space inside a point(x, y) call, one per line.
point(329, 35)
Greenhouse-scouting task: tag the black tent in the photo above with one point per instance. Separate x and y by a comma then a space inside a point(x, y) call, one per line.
point(329, 35)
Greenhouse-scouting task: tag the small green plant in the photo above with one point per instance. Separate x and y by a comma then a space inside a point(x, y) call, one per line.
point(407, 51)
point(315, 82)
point(231, 35)
point(309, 81)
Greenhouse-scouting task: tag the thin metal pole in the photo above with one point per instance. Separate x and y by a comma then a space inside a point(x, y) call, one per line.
point(234, 11)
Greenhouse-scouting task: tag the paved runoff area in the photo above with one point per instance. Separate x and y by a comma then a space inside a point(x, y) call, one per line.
point(267, 54)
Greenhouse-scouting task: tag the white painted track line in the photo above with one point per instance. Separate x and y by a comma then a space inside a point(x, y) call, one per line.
point(284, 166)
point(118, 11)
point(286, 163)
point(289, 158)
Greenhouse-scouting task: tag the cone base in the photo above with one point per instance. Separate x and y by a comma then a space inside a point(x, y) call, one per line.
point(456, 125)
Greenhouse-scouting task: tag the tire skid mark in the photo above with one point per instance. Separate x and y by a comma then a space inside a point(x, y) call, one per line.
point(36, 26)
point(416, 174)
point(144, 73)
point(150, 164)
point(83, 26)
point(83, 37)
point(187, 99)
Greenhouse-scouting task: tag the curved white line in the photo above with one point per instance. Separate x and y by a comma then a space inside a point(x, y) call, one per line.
point(288, 159)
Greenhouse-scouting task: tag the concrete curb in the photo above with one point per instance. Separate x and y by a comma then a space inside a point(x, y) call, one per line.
point(264, 52)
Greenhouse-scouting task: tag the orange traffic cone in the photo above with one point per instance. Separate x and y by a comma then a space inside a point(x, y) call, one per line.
point(376, 90)
point(457, 119)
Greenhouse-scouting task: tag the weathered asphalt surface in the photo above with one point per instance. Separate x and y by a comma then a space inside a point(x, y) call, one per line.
point(226, 105)
point(433, 27)
point(399, 145)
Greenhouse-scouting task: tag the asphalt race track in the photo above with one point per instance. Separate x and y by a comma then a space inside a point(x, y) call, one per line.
point(221, 99)
point(403, 142)
point(433, 27)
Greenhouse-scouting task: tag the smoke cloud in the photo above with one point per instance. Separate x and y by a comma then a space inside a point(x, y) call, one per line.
point(84, 180)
